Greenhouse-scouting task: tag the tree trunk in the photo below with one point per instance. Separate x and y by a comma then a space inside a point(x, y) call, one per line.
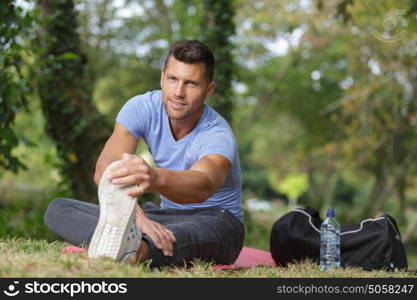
point(377, 190)
point(384, 187)
point(72, 119)
point(218, 28)
point(313, 187)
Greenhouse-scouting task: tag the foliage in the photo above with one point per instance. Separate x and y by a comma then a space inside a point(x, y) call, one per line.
point(320, 88)
point(14, 83)
point(286, 95)
point(377, 111)
point(336, 103)
point(219, 28)
point(73, 122)
point(132, 48)
point(294, 185)
point(23, 207)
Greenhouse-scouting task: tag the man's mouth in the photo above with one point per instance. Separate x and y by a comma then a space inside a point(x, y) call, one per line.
point(176, 104)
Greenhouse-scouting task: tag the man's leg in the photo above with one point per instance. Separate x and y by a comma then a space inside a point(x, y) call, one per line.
point(73, 220)
point(210, 234)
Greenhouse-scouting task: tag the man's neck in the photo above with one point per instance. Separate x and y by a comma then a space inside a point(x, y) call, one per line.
point(180, 128)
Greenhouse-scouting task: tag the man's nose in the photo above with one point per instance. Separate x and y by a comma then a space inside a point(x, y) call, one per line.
point(180, 90)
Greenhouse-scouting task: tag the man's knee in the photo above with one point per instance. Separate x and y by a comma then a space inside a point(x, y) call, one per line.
point(52, 212)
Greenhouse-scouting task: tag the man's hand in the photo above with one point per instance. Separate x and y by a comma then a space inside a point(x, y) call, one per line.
point(133, 170)
point(162, 237)
point(159, 234)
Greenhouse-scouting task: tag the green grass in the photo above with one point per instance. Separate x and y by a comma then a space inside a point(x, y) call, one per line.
point(21, 257)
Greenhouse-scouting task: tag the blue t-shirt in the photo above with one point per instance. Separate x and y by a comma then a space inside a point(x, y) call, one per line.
point(145, 117)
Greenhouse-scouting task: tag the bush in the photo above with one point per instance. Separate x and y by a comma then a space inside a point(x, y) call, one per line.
point(22, 214)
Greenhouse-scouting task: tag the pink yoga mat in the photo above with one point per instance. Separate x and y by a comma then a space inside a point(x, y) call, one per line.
point(248, 258)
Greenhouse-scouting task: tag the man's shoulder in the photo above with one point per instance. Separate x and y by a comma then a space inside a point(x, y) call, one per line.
point(214, 130)
point(151, 97)
point(215, 137)
point(213, 122)
point(138, 113)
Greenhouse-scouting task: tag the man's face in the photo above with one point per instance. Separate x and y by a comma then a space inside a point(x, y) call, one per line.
point(185, 88)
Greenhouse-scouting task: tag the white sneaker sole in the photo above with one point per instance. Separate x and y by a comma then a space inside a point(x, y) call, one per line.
point(116, 235)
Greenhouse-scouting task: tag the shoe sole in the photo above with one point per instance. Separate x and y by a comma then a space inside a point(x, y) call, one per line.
point(117, 216)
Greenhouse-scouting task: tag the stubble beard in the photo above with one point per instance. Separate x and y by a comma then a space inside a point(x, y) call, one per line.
point(172, 114)
point(186, 114)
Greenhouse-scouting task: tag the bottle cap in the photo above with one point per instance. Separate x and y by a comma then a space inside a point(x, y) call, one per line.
point(330, 212)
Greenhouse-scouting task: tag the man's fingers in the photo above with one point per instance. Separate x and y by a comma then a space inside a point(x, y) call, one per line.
point(127, 168)
point(166, 244)
point(169, 240)
point(160, 235)
point(164, 239)
point(136, 191)
point(131, 179)
point(124, 180)
point(127, 156)
point(156, 239)
point(122, 170)
point(171, 235)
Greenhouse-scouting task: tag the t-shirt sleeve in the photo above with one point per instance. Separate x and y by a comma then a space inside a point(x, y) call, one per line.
point(135, 115)
point(221, 142)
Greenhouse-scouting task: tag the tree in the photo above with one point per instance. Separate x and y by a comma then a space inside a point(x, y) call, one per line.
point(343, 89)
point(217, 29)
point(14, 78)
point(378, 111)
point(73, 121)
point(282, 108)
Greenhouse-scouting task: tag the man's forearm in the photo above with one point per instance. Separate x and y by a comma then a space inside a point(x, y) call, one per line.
point(101, 166)
point(184, 187)
point(195, 185)
point(139, 211)
point(98, 173)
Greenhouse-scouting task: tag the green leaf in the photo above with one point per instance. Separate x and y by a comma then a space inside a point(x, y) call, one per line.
point(68, 56)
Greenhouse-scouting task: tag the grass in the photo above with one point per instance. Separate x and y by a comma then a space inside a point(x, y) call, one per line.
point(21, 257)
point(29, 249)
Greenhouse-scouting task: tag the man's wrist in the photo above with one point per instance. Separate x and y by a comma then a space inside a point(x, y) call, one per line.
point(158, 179)
point(140, 215)
point(139, 211)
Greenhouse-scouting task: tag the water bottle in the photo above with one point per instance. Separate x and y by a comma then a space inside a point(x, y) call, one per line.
point(330, 242)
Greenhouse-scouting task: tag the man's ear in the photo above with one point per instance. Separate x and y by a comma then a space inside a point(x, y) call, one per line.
point(211, 87)
point(162, 77)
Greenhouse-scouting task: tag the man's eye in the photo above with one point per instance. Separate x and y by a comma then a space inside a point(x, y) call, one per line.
point(191, 83)
point(171, 78)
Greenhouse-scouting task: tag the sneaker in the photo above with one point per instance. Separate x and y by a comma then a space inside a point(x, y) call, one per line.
point(116, 235)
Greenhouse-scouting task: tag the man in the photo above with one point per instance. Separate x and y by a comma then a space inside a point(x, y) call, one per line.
point(197, 176)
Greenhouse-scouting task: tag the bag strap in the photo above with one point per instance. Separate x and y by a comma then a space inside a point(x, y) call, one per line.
point(309, 216)
point(311, 211)
point(394, 226)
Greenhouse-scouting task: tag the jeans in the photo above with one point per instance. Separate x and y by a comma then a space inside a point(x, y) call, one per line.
point(211, 234)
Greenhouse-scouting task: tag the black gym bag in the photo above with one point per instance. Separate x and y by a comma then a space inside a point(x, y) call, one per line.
point(372, 244)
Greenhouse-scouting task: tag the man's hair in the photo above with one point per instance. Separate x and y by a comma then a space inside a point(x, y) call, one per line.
point(191, 52)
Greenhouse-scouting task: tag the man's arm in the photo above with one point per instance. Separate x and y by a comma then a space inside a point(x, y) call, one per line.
point(195, 185)
point(121, 141)
point(120, 145)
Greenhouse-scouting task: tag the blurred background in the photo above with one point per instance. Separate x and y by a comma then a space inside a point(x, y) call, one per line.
point(321, 95)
